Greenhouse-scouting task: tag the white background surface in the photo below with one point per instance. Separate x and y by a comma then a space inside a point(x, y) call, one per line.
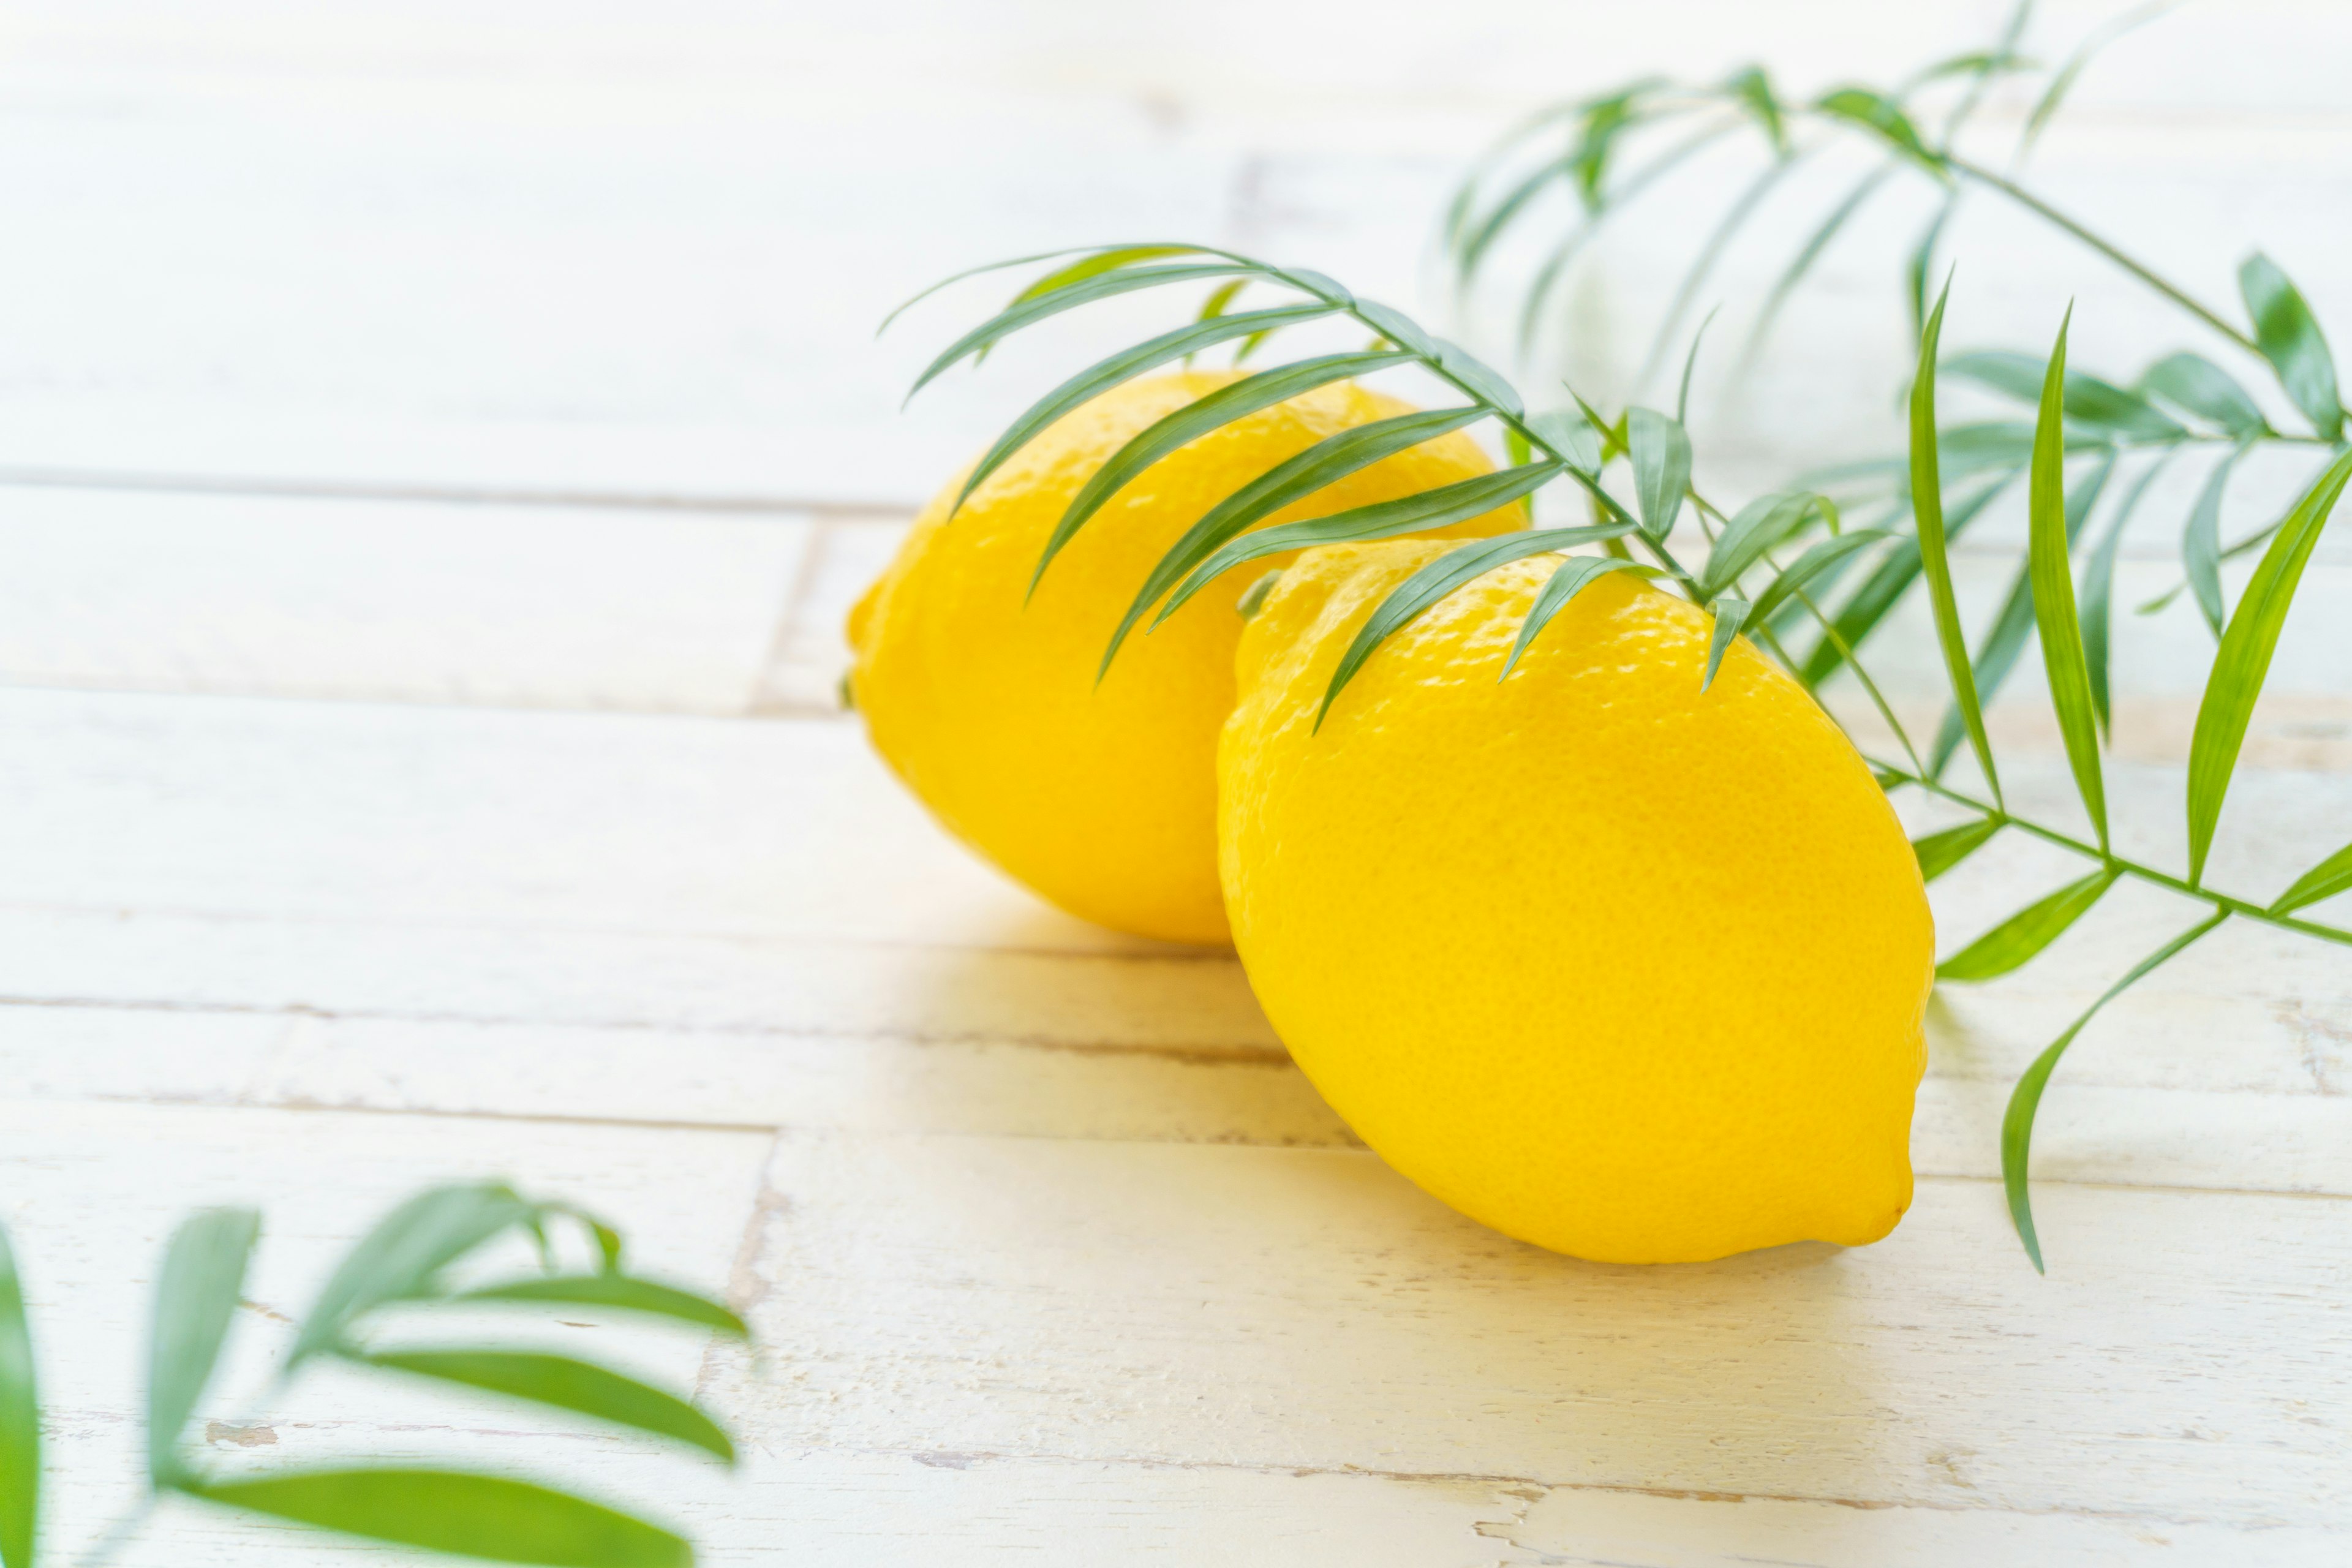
point(377, 834)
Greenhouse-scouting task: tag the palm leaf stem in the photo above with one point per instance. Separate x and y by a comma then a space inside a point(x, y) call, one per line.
point(2148, 874)
point(2049, 213)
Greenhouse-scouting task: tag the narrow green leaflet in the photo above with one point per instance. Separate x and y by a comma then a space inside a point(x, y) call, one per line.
point(1690, 363)
point(20, 1420)
point(1123, 280)
point(1753, 530)
point(1661, 451)
point(1754, 88)
point(2089, 400)
point(1923, 259)
point(2200, 542)
point(1440, 508)
point(2245, 660)
point(1095, 265)
point(1570, 434)
point(1475, 376)
point(1927, 507)
point(450, 1510)
point(2027, 932)
point(619, 1291)
point(400, 1259)
point(2291, 340)
point(1730, 615)
point(1572, 577)
point(1811, 252)
point(2025, 1099)
point(987, 266)
point(1416, 593)
point(1398, 328)
point(2324, 881)
point(1888, 583)
point(567, 1385)
point(2099, 592)
point(1876, 112)
point(196, 1296)
point(2062, 81)
point(1555, 266)
point(1940, 852)
point(1286, 483)
point(1098, 379)
point(2015, 622)
point(2053, 593)
point(1823, 557)
point(2196, 385)
point(1195, 420)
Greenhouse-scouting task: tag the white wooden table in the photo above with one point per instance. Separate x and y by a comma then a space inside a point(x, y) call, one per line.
point(359, 828)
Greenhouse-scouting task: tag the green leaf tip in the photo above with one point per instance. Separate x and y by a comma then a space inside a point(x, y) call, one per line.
point(1927, 511)
point(2018, 939)
point(1730, 615)
point(2050, 542)
point(195, 1298)
point(2025, 1099)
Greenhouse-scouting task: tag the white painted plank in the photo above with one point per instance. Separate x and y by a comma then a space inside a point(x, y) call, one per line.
point(489, 245)
point(1307, 1308)
point(394, 602)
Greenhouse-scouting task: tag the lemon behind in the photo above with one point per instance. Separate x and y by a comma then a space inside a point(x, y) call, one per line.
point(1101, 798)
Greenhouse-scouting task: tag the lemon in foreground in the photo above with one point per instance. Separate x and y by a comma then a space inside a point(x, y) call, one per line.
point(1618, 967)
point(1100, 798)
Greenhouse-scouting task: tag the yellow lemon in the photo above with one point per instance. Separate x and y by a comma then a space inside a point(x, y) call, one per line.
point(1101, 798)
point(1620, 968)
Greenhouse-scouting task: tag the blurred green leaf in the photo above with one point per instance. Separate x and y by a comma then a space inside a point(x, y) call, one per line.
point(402, 1258)
point(2324, 881)
point(1409, 599)
point(1923, 258)
point(1878, 113)
point(1186, 425)
point(1690, 363)
point(2089, 400)
point(2026, 933)
point(2200, 542)
point(2291, 340)
point(196, 1296)
point(2195, 385)
point(1661, 451)
point(1730, 615)
point(1572, 577)
point(1440, 508)
point(2099, 589)
point(1752, 88)
point(20, 1420)
point(2244, 661)
point(2050, 539)
point(2062, 81)
point(567, 1385)
point(1099, 378)
point(2025, 1100)
point(620, 1292)
point(1927, 508)
point(1811, 252)
point(1122, 281)
point(1940, 852)
point(468, 1515)
point(1285, 484)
